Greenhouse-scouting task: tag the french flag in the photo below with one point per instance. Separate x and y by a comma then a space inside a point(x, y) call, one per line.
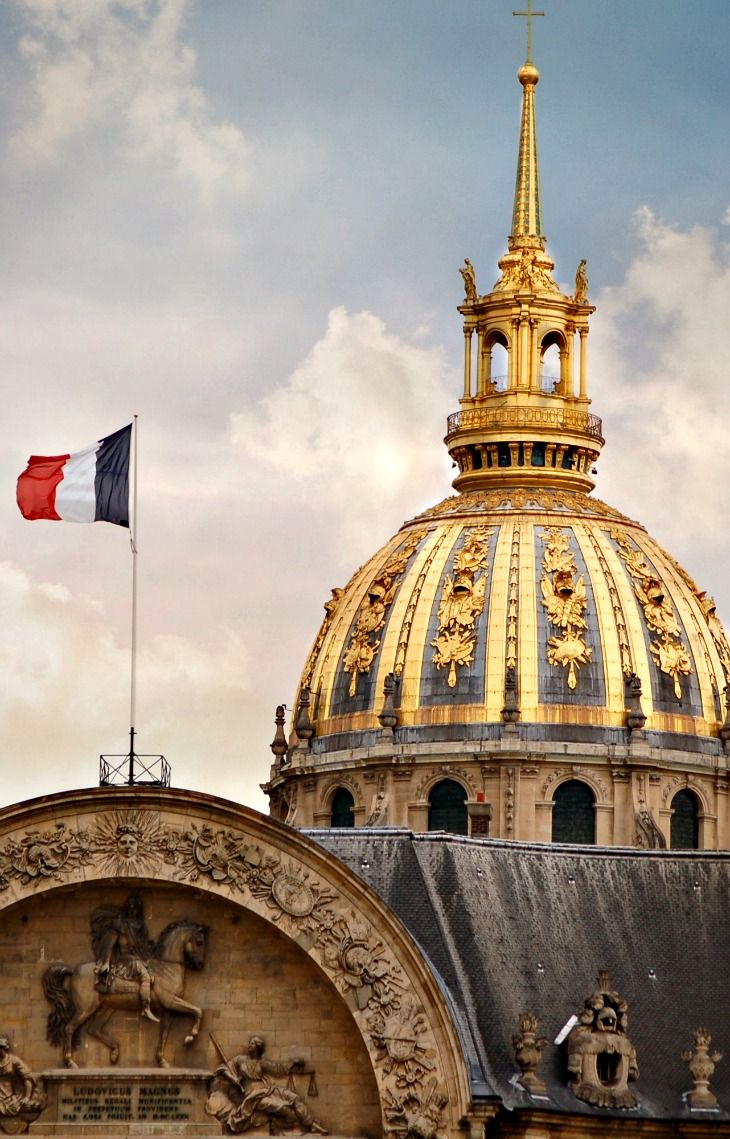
point(90, 486)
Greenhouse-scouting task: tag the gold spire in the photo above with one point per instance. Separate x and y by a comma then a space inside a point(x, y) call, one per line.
point(527, 212)
point(530, 426)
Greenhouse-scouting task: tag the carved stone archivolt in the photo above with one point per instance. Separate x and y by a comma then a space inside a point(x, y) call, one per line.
point(601, 1058)
point(460, 774)
point(565, 601)
point(364, 642)
point(670, 653)
point(263, 870)
point(462, 601)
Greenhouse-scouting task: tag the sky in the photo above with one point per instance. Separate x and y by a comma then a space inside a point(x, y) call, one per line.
point(242, 220)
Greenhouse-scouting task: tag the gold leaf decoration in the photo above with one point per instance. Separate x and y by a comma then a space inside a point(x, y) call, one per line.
point(462, 601)
point(565, 601)
point(360, 653)
point(669, 652)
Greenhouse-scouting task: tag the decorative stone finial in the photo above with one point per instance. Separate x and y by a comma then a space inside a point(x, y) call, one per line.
point(635, 718)
point(511, 710)
point(279, 745)
point(701, 1065)
point(388, 716)
point(601, 1058)
point(528, 1053)
point(303, 725)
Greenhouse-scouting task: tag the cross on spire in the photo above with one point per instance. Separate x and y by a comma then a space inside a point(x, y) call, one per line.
point(529, 14)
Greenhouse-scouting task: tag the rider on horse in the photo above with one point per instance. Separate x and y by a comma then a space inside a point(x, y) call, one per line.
point(122, 946)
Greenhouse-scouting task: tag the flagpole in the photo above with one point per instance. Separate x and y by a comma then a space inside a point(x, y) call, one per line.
point(133, 546)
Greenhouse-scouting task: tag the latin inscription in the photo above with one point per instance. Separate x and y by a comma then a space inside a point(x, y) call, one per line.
point(111, 1103)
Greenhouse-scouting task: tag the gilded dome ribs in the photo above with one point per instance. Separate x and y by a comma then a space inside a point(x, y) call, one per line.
point(513, 599)
point(363, 646)
point(462, 601)
point(627, 666)
point(564, 599)
point(405, 632)
point(669, 652)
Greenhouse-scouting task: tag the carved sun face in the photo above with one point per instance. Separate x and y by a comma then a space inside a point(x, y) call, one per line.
point(127, 844)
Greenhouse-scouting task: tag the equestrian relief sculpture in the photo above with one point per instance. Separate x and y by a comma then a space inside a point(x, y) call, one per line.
point(130, 972)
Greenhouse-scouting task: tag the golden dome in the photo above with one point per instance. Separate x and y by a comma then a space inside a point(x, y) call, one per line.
point(535, 604)
point(520, 634)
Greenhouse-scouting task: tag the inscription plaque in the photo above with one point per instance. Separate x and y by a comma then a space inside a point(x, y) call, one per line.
point(83, 1101)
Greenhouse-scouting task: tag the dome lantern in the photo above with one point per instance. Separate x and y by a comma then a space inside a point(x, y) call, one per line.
point(531, 425)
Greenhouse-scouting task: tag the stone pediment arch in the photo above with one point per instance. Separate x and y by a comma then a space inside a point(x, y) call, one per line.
point(209, 849)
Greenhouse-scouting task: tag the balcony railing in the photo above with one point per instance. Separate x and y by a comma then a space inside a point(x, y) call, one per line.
point(562, 418)
point(134, 771)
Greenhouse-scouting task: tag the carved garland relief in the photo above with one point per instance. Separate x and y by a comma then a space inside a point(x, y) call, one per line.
point(364, 644)
point(462, 601)
point(565, 601)
point(353, 953)
point(669, 652)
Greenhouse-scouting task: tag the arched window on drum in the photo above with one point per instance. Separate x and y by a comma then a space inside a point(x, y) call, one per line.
point(684, 829)
point(343, 808)
point(574, 813)
point(447, 808)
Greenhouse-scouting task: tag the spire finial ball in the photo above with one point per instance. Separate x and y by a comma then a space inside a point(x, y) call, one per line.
point(528, 75)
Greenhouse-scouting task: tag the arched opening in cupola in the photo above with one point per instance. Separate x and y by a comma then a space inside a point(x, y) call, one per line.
point(574, 813)
point(496, 362)
point(552, 363)
point(343, 808)
point(684, 829)
point(447, 808)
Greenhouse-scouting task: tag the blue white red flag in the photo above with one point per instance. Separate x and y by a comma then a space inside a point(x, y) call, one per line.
point(89, 486)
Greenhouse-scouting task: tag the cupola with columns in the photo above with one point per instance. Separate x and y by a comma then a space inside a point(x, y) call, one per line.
point(529, 424)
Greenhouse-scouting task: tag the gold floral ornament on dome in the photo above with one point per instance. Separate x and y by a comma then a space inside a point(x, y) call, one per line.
point(360, 653)
point(462, 601)
point(565, 601)
point(668, 650)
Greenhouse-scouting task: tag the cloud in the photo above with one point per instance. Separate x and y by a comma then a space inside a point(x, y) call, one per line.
point(122, 68)
point(659, 352)
point(66, 693)
point(355, 433)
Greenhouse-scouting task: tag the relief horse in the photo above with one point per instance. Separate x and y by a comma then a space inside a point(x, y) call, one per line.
point(83, 1003)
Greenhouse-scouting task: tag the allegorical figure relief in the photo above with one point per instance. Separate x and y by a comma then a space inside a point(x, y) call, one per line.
point(122, 946)
point(19, 1091)
point(242, 1094)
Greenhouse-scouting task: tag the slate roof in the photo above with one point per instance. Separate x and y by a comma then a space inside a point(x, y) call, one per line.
point(510, 927)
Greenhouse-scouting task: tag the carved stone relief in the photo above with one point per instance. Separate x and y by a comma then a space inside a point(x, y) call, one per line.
point(355, 955)
point(340, 781)
point(601, 1058)
point(130, 972)
point(22, 1097)
point(243, 1095)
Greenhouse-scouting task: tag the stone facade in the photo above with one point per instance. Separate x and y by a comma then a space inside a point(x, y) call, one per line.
point(518, 780)
point(292, 949)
